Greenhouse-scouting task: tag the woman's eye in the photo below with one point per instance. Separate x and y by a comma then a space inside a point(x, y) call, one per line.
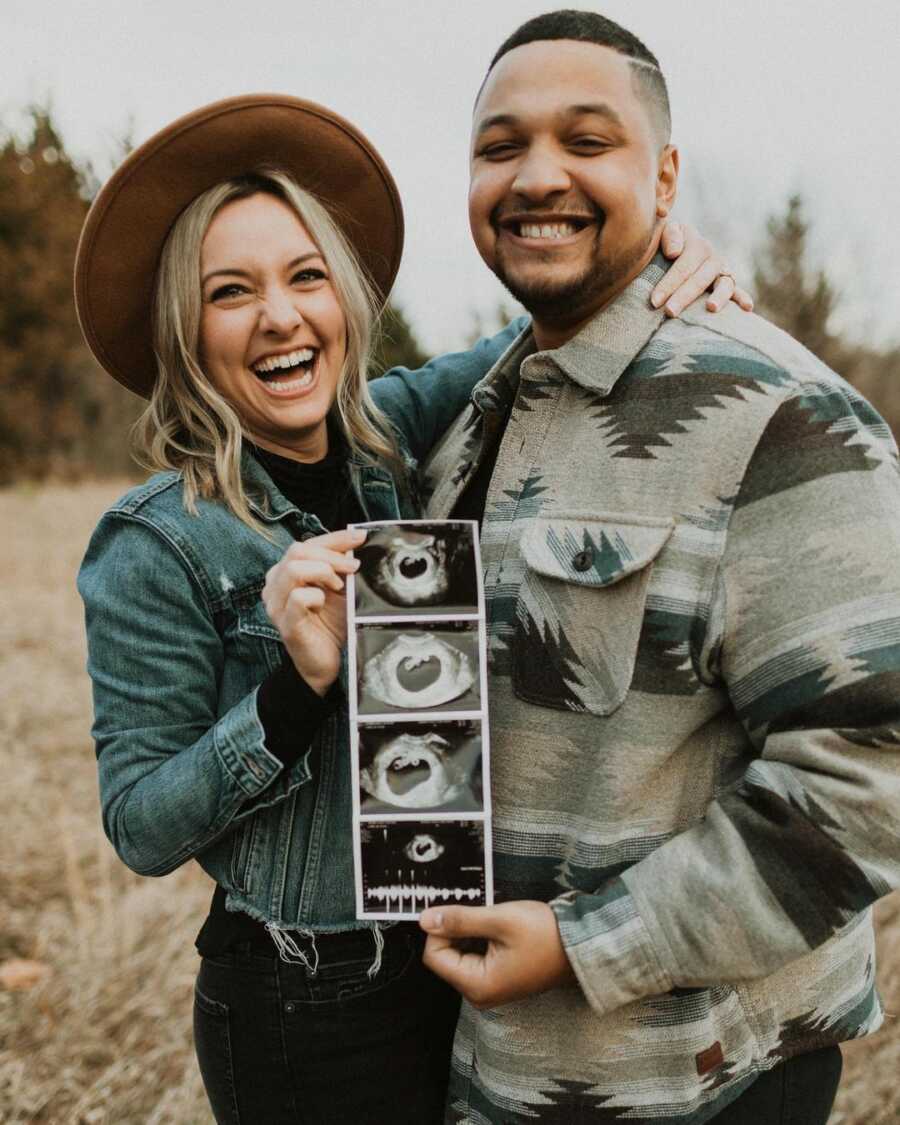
point(307, 275)
point(227, 292)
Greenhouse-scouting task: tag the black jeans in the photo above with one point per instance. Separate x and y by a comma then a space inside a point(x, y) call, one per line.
point(797, 1092)
point(277, 1045)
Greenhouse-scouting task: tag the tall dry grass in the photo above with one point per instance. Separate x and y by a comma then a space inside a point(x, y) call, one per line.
point(104, 1037)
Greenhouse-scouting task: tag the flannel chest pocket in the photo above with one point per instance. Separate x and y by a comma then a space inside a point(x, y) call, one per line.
point(580, 607)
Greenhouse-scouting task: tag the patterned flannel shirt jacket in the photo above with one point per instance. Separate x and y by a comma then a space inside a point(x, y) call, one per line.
point(692, 563)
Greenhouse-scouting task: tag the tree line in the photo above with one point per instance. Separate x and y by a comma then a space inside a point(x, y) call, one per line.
point(62, 418)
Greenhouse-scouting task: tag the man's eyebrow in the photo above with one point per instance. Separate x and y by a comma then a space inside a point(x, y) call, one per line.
point(496, 119)
point(596, 109)
point(229, 272)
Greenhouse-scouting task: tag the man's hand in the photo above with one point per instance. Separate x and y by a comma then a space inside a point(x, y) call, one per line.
point(697, 268)
point(524, 953)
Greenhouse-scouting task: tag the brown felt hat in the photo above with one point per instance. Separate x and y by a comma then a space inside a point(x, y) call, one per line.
point(124, 232)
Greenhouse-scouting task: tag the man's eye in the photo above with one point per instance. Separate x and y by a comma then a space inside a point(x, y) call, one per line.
point(589, 145)
point(502, 150)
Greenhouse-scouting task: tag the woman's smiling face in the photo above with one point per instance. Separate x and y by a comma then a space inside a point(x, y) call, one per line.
point(272, 332)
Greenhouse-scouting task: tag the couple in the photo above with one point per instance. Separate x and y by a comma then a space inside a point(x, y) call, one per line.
point(689, 529)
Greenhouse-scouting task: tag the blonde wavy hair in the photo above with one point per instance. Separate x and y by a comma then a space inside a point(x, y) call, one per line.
point(187, 424)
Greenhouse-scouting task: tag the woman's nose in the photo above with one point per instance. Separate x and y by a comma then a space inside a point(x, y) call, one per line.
point(279, 312)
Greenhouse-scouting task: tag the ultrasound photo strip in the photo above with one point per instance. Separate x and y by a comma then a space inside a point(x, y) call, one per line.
point(418, 719)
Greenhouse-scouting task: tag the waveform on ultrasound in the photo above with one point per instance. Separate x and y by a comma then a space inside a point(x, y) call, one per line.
point(425, 894)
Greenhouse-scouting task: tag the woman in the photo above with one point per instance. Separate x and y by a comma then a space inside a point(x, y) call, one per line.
point(239, 305)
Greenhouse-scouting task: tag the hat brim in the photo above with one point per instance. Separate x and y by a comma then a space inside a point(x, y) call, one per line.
point(124, 232)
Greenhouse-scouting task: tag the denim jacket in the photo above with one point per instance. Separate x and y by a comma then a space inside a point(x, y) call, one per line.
point(178, 643)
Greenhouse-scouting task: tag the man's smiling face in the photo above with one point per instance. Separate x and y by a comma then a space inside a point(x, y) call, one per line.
point(569, 179)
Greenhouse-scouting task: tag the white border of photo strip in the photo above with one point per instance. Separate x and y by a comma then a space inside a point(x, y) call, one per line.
point(482, 818)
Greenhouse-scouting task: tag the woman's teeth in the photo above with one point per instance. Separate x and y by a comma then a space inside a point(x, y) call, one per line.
point(283, 362)
point(291, 384)
point(277, 370)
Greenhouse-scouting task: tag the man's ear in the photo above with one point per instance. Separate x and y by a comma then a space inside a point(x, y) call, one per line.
point(666, 181)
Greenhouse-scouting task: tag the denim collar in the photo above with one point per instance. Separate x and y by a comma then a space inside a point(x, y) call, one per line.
point(271, 505)
point(263, 495)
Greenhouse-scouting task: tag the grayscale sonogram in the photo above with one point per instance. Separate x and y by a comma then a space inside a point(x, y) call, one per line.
point(417, 569)
point(410, 865)
point(432, 767)
point(418, 668)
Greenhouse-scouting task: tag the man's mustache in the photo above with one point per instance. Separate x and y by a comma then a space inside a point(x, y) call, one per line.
point(584, 211)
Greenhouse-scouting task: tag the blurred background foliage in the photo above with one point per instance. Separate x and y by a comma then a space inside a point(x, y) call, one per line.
point(62, 419)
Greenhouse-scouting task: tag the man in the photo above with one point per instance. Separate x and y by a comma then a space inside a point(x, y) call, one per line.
point(690, 534)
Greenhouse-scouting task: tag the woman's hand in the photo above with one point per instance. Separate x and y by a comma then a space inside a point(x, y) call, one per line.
point(304, 598)
point(697, 268)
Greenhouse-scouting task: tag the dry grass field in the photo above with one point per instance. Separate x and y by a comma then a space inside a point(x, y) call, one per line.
point(100, 1033)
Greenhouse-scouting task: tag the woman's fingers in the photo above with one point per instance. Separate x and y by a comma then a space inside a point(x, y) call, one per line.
point(723, 291)
point(697, 268)
point(743, 299)
point(691, 251)
point(337, 541)
point(301, 602)
point(693, 286)
point(307, 607)
point(672, 241)
point(290, 574)
point(309, 549)
point(312, 560)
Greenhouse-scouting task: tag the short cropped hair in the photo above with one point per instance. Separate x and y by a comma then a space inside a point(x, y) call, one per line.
point(591, 27)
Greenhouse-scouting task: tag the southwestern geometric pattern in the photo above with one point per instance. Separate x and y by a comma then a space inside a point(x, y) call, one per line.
point(691, 547)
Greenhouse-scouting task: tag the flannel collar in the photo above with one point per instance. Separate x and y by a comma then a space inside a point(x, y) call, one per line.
point(606, 345)
point(594, 358)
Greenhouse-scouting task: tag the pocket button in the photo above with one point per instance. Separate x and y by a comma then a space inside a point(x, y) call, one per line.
point(583, 560)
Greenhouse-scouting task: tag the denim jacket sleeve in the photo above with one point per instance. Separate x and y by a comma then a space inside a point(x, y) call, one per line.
point(175, 774)
point(422, 404)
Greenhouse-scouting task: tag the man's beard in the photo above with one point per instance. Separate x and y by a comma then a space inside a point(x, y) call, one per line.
point(577, 298)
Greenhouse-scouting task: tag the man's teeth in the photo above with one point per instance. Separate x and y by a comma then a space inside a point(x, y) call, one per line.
point(547, 230)
point(284, 362)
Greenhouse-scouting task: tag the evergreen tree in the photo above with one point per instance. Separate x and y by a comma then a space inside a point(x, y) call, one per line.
point(787, 291)
point(61, 416)
point(801, 300)
point(395, 343)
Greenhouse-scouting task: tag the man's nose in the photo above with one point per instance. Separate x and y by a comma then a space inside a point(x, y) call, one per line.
point(540, 174)
point(279, 312)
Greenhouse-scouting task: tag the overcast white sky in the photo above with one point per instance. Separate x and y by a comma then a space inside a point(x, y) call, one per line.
point(768, 97)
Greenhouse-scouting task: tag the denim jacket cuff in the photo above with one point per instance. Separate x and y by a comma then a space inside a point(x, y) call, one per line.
point(240, 743)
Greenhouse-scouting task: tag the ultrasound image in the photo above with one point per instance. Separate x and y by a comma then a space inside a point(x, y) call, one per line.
point(416, 569)
point(410, 865)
